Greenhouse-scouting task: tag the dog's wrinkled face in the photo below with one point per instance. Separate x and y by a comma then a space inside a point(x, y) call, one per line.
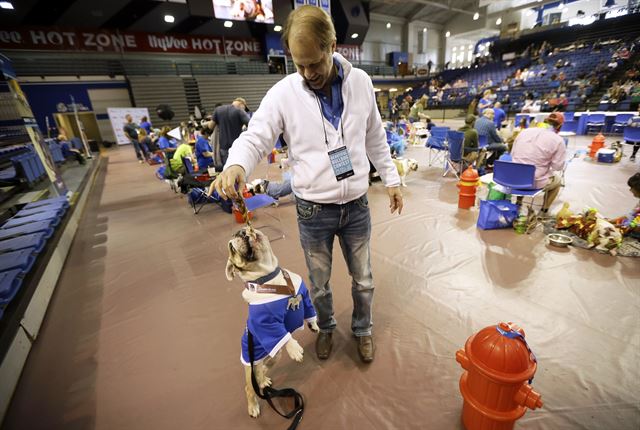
point(250, 255)
point(413, 164)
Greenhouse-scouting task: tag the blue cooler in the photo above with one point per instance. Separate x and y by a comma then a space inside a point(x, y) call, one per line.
point(606, 155)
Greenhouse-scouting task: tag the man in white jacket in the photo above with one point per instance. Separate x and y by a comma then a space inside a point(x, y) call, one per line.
point(328, 115)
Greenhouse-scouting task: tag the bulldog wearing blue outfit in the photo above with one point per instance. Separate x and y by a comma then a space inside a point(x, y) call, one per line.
point(279, 304)
point(271, 321)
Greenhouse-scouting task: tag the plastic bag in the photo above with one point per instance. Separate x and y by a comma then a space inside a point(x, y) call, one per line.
point(496, 214)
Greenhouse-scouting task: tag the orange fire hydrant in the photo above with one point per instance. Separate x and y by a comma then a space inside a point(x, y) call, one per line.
point(468, 185)
point(596, 144)
point(498, 364)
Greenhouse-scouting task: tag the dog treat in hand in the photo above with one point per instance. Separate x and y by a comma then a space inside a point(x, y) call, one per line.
point(243, 210)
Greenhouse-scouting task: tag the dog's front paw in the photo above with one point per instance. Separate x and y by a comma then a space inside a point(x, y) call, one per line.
point(294, 350)
point(253, 409)
point(265, 381)
point(313, 325)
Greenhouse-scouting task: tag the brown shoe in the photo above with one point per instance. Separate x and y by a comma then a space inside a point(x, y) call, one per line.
point(323, 345)
point(366, 348)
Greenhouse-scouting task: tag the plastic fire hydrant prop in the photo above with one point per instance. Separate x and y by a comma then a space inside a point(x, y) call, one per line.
point(498, 364)
point(596, 144)
point(468, 185)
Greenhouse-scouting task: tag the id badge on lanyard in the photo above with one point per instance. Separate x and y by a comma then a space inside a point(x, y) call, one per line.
point(341, 163)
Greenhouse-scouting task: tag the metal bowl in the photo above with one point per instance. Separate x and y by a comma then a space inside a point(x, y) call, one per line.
point(559, 240)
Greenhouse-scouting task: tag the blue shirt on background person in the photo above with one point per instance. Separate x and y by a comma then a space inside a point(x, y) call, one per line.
point(145, 124)
point(165, 143)
point(499, 116)
point(202, 146)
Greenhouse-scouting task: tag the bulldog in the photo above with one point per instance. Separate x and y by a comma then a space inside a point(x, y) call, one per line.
point(279, 304)
point(404, 166)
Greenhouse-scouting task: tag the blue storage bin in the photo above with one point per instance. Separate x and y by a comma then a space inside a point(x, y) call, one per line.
point(496, 214)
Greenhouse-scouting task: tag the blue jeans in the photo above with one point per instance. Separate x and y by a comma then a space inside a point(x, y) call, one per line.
point(141, 151)
point(279, 189)
point(351, 222)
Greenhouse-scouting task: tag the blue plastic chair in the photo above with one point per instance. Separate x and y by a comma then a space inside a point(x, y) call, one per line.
point(631, 135)
point(34, 227)
point(62, 200)
point(595, 121)
point(620, 122)
point(10, 282)
point(518, 177)
point(22, 259)
point(455, 143)
point(35, 241)
point(483, 140)
point(51, 216)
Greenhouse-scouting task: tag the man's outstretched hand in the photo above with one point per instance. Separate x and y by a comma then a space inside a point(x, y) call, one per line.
point(395, 199)
point(225, 183)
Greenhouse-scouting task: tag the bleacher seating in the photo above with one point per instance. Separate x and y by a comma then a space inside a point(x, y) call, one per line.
point(22, 239)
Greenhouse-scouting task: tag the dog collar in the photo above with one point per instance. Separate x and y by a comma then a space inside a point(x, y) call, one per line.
point(266, 278)
point(288, 289)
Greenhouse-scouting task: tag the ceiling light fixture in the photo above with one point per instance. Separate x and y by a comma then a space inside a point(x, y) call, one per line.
point(424, 30)
point(277, 28)
point(228, 24)
point(498, 21)
point(447, 34)
point(476, 16)
point(388, 25)
point(393, 90)
point(169, 18)
point(354, 36)
point(6, 5)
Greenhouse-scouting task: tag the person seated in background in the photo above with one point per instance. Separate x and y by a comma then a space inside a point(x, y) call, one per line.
point(396, 143)
point(165, 144)
point(472, 152)
point(185, 150)
point(485, 102)
point(542, 147)
point(498, 115)
point(485, 126)
point(145, 141)
point(204, 153)
point(68, 150)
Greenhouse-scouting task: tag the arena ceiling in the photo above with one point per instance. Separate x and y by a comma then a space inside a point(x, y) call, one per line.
point(148, 15)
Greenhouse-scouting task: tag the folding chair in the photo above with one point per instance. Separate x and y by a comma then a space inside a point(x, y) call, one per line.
point(620, 122)
point(455, 149)
point(437, 144)
point(595, 121)
point(262, 201)
point(419, 133)
point(196, 185)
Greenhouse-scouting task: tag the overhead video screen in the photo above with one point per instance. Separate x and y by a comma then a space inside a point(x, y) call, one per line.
point(244, 10)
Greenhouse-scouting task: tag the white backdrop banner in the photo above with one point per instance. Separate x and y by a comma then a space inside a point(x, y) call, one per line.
point(116, 116)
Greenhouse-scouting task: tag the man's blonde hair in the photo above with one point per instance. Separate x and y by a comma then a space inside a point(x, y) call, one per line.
point(313, 20)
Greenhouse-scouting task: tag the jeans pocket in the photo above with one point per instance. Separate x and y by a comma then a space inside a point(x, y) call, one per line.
point(363, 202)
point(306, 211)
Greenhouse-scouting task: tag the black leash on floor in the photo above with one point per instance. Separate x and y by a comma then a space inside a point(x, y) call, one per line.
point(269, 393)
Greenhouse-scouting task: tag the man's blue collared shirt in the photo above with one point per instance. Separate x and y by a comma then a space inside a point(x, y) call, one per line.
point(332, 109)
